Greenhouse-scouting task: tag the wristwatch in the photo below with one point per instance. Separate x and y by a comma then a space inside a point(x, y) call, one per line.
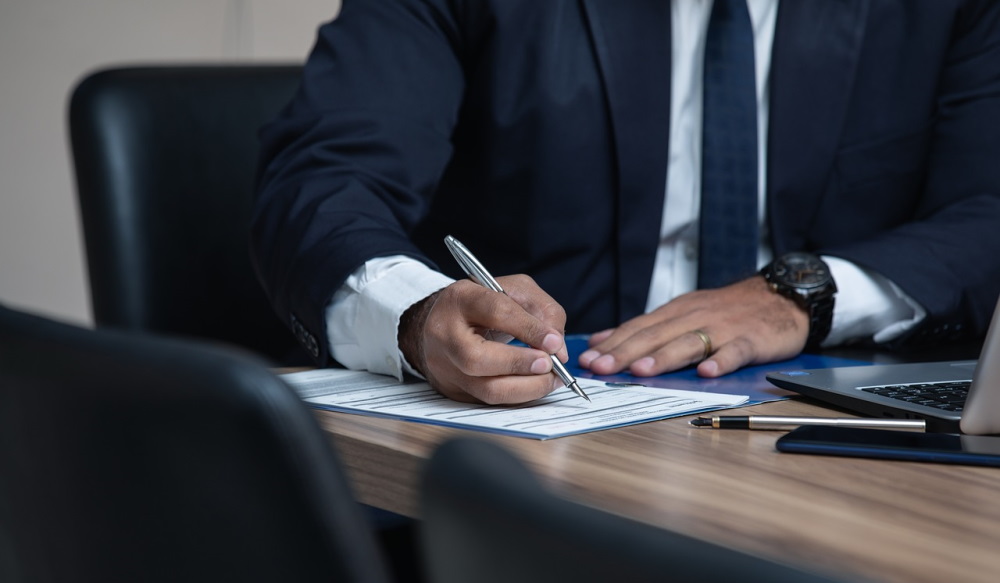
point(805, 279)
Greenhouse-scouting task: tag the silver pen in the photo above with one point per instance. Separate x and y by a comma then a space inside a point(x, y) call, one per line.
point(475, 270)
point(778, 422)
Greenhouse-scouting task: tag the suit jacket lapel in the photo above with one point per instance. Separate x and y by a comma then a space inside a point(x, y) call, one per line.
point(813, 64)
point(632, 43)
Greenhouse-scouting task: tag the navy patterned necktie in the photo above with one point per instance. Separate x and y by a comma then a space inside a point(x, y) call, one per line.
point(728, 227)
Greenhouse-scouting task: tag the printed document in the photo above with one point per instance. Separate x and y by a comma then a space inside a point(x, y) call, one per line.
point(560, 413)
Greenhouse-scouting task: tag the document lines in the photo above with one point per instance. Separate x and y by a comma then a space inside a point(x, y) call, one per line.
point(560, 413)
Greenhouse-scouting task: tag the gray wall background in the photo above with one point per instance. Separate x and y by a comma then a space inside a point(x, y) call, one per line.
point(46, 47)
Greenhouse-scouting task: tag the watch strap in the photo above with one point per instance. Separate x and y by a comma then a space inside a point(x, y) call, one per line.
point(820, 320)
point(818, 304)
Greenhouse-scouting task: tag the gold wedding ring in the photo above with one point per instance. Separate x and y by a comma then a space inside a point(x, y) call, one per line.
point(704, 340)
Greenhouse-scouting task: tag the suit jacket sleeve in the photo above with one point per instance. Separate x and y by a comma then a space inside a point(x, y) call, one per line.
point(348, 168)
point(947, 256)
point(883, 148)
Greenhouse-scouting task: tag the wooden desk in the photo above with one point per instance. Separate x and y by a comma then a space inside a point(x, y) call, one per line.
point(882, 520)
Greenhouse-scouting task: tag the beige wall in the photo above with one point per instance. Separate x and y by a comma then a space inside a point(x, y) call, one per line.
point(46, 46)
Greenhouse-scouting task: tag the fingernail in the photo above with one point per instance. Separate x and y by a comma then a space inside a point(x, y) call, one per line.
point(587, 356)
point(606, 362)
point(541, 366)
point(551, 343)
point(709, 368)
point(644, 365)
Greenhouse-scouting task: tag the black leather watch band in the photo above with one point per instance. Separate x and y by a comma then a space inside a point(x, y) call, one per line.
point(805, 279)
point(820, 321)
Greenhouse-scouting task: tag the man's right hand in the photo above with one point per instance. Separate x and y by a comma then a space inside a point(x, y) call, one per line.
point(449, 338)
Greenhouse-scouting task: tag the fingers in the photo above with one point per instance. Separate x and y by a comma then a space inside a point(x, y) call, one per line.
point(509, 390)
point(686, 349)
point(719, 330)
point(525, 312)
point(640, 338)
point(598, 337)
point(463, 364)
point(646, 354)
point(470, 368)
point(523, 290)
point(731, 357)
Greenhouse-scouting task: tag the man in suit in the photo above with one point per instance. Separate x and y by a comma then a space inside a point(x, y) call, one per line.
point(563, 139)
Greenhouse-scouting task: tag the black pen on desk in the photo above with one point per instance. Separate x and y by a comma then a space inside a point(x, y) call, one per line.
point(475, 270)
point(778, 422)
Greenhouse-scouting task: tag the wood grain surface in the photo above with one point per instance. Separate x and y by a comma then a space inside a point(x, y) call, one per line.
point(879, 520)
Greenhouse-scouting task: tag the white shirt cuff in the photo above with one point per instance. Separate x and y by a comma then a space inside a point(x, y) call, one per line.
point(363, 317)
point(868, 305)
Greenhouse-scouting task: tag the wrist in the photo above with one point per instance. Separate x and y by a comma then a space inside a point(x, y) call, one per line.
point(410, 334)
point(806, 280)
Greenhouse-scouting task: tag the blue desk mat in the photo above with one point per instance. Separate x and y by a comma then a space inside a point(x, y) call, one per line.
point(747, 381)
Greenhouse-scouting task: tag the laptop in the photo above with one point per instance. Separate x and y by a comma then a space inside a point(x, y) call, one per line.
point(953, 397)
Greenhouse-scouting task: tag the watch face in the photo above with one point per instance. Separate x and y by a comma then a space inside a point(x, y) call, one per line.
point(801, 270)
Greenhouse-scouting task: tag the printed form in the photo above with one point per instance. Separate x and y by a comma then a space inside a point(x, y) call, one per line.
point(559, 414)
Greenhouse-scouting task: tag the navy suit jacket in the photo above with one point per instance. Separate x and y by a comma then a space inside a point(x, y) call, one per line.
point(537, 133)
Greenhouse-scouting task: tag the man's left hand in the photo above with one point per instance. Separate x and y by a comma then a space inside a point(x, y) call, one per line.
point(721, 329)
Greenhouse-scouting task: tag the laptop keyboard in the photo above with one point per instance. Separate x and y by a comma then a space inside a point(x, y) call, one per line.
point(949, 396)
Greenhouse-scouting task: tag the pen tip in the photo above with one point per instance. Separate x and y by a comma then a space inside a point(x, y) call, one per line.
point(701, 422)
point(575, 387)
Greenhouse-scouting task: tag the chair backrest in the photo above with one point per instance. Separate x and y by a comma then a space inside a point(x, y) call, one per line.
point(487, 519)
point(165, 160)
point(130, 458)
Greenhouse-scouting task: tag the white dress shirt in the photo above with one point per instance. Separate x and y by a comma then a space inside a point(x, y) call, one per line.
point(363, 316)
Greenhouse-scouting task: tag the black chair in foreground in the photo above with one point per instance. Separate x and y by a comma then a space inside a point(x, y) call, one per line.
point(130, 458)
point(487, 519)
point(165, 160)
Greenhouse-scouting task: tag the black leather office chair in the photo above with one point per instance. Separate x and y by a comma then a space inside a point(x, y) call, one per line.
point(165, 161)
point(130, 458)
point(487, 519)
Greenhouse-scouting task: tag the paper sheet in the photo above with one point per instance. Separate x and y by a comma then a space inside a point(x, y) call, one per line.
point(560, 413)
